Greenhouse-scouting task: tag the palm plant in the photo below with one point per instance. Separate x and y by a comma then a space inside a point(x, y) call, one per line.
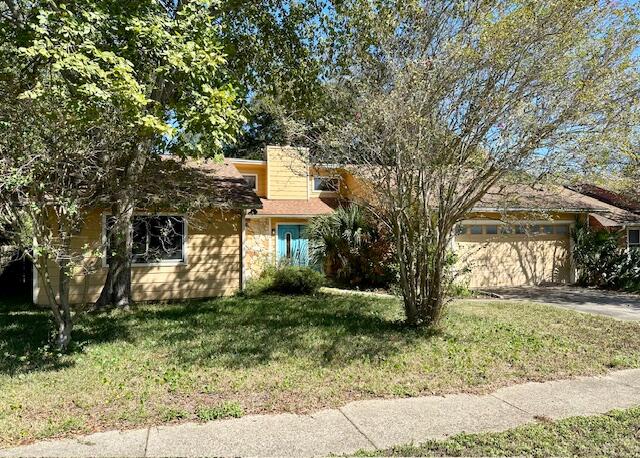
point(350, 246)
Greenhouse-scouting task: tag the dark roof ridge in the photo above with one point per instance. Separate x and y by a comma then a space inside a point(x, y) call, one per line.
point(607, 196)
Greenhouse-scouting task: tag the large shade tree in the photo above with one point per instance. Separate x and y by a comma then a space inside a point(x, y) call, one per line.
point(275, 50)
point(159, 64)
point(50, 154)
point(448, 97)
point(176, 72)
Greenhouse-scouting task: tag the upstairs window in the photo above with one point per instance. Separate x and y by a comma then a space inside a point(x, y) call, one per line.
point(155, 239)
point(252, 181)
point(326, 184)
point(633, 238)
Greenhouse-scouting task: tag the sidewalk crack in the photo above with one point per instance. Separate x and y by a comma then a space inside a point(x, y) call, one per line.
point(618, 382)
point(146, 442)
point(359, 430)
point(510, 404)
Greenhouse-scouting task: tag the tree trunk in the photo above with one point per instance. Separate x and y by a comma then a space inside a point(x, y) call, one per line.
point(62, 310)
point(116, 291)
point(423, 274)
point(406, 283)
point(117, 288)
point(61, 315)
point(63, 318)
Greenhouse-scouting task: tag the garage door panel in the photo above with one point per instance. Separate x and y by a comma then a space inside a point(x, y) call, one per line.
point(511, 260)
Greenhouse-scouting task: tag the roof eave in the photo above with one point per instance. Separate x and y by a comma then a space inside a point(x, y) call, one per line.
point(524, 209)
point(290, 215)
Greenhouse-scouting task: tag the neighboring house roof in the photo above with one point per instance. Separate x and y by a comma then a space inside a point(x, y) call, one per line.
point(174, 183)
point(610, 197)
point(614, 215)
point(537, 197)
point(298, 207)
point(553, 198)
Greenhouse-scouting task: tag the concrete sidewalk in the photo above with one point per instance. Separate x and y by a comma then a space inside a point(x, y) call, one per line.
point(360, 425)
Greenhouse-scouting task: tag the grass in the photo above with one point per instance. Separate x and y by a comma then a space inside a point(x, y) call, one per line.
point(614, 434)
point(227, 357)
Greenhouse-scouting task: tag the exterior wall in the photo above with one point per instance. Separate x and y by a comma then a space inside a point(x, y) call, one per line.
point(260, 170)
point(258, 251)
point(622, 231)
point(212, 265)
point(355, 188)
point(596, 225)
point(262, 241)
point(287, 173)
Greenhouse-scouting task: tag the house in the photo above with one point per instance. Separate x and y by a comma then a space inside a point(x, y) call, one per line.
point(622, 213)
point(187, 236)
point(520, 234)
point(252, 213)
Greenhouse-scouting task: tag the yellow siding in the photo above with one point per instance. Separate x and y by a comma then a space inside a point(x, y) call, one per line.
point(260, 170)
point(212, 267)
point(287, 173)
point(355, 188)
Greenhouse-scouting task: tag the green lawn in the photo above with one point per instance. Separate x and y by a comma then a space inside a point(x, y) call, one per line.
point(226, 357)
point(614, 434)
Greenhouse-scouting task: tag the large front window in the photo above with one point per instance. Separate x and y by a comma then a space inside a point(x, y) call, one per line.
point(155, 239)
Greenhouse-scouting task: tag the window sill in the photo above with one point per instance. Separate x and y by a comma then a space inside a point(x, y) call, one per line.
point(160, 264)
point(155, 264)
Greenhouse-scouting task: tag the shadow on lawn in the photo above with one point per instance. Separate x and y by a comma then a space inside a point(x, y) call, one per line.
point(26, 331)
point(232, 332)
point(322, 330)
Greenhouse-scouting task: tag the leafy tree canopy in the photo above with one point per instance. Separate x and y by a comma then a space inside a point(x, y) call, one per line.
point(162, 66)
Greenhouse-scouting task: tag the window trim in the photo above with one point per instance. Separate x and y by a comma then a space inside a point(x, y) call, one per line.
point(505, 228)
point(330, 177)
point(162, 263)
point(251, 175)
point(635, 245)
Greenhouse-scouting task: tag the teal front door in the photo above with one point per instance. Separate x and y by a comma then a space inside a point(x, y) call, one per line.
point(293, 247)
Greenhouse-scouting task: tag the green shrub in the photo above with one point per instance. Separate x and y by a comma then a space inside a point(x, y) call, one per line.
point(459, 290)
point(286, 280)
point(297, 280)
point(229, 409)
point(603, 262)
point(260, 285)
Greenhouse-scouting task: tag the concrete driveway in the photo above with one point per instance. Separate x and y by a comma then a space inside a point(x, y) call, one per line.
point(610, 303)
